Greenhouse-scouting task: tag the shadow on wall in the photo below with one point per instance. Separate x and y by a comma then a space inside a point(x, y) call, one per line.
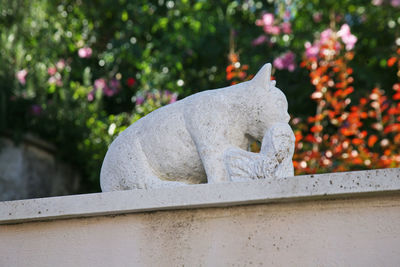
point(30, 170)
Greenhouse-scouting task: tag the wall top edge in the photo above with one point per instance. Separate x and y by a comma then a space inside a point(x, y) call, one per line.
point(297, 188)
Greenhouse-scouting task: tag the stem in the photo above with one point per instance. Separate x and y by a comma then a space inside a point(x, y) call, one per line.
point(332, 23)
point(231, 42)
point(317, 135)
point(379, 118)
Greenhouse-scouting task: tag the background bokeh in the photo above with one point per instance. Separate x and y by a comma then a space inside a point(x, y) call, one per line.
point(76, 73)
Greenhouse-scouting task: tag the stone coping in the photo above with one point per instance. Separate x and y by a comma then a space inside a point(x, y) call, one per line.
point(297, 188)
point(31, 140)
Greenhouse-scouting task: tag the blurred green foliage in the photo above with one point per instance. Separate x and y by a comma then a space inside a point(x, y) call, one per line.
point(81, 99)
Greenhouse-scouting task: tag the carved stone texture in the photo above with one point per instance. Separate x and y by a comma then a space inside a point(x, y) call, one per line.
point(273, 161)
point(187, 142)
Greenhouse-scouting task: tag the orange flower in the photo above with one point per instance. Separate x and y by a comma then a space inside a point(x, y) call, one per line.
point(233, 57)
point(372, 140)
point(357, 141)
point(363, 101)
point(340, 85)
point(395, 127)
point(298, 136)
point(348, 90)
point(346, 131)
point(363, 115)
point(397, 138)
point(391, 61)
point(229, 76)
point(349, 71)
point(316, 128)
point(357, 161)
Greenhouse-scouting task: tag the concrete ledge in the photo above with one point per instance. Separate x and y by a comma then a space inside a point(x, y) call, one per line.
point(325, 186)
point(350, 219)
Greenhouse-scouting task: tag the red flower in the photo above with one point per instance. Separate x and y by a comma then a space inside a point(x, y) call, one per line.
point(396, 96)
point(130, 81)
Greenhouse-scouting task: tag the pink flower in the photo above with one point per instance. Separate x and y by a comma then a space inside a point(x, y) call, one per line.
point(173, 99)
point(169, 97)
point(52, 80)
point(114, 86)
point(317, 17)
point(268, 19)
point(287, 15)
point(85, 52)
point(259, 22)
point(285, 61)
point(60, 64)
point(344, 30)
point(377, 2)
point(90, 96)
point(51, 71)
point(100, 84)
point(326, 35)
point(348, 39)
point(395, 3)
point(259, 40)
point(139, 100)
point(286, 27)
point(274, 30)
point(36, 110)
point(278, 63)
point(108, 90)
point(56, 79)
point(21, 76)
point(311, 50)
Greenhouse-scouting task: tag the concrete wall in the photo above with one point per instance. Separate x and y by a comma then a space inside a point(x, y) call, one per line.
point(30, 169)
point(236, 224)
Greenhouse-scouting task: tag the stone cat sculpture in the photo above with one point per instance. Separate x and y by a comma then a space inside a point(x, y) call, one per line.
point(185, 142)
point(274, 159)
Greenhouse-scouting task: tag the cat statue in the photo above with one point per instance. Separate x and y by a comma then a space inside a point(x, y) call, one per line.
point(186, 142)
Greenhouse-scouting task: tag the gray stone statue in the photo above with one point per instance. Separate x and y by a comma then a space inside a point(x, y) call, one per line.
point(274, 159)
point(204, 139)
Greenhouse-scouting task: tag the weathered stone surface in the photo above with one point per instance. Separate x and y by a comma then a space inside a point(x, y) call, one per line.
point(186, 142)
point(273, 161)
point(30, 170)
point(304, 187)
point(349, 219)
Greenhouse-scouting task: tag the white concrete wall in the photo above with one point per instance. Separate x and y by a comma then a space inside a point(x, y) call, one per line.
point(243, 224)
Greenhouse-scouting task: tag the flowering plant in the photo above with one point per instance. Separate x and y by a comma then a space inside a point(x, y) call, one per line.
point(341, 135)
point(76, 73)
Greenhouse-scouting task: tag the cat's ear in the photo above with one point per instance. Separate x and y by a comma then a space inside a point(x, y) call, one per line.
point(263, 78)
